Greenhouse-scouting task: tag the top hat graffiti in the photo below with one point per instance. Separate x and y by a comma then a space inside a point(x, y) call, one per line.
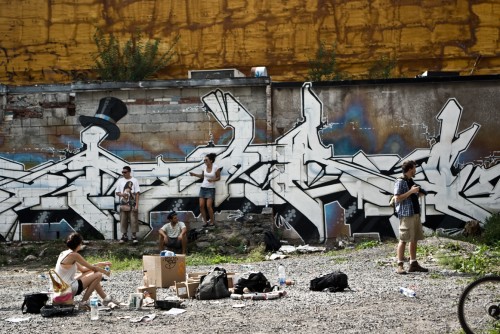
point(110, 111)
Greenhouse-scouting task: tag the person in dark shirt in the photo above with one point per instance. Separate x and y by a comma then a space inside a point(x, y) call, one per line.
point(406, 194)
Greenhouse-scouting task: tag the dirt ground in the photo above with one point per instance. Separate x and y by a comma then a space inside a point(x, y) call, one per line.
point(373, 305)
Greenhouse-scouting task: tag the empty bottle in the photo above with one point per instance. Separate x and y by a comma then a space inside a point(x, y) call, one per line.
point(94, 312)
point(407, 292)
point(145, 279)
point(50, 294)
point(281, 275)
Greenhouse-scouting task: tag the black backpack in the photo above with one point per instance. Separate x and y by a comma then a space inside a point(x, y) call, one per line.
point(333, 282)
point(33, 302)
point(256, 282)
point(192, 235)
point(272, 243)
point(213, 285)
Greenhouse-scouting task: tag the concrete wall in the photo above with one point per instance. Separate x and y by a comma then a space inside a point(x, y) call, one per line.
point(323, 157)
point(51, 41)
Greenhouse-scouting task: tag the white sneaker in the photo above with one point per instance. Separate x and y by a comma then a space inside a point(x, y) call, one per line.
point(109, 299)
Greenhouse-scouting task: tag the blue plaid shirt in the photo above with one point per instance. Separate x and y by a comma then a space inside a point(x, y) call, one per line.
point(404, 208)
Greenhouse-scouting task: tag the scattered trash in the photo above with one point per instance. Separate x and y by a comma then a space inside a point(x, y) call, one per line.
point(407, 292)
point(103, 308)
point(17, 319)
point(238, 305)
point(286, 249)
point(112, 305)
point(259, 295)
point(276, 256)
point(145, 318)
point(148, 301)
point(174, 311)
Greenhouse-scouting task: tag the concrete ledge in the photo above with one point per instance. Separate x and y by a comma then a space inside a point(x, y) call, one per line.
point(359, 237)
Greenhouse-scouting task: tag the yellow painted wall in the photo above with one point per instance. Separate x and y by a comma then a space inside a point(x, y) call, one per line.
point(51, 41)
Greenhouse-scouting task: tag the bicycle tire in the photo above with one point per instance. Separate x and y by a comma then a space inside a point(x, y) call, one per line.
point(477, 299)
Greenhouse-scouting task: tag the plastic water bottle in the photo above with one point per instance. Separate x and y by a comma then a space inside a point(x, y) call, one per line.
point(281, 275)
point(407, 292)
point(50, 293)
point(94, 312)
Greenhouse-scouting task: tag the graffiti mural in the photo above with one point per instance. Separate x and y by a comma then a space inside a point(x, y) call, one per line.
point(314, 194)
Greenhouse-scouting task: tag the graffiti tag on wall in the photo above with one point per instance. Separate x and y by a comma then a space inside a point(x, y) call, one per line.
point(313, 193)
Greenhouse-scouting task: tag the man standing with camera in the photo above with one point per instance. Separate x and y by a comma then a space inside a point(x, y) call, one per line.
point(128, 190)
point(406, 194)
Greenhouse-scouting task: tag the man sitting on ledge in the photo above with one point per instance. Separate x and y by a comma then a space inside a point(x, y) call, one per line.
point(173, 234)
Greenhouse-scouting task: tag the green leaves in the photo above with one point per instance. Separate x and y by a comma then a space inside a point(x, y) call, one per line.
point(324, 66)
point(135, 61)
point(382, 68)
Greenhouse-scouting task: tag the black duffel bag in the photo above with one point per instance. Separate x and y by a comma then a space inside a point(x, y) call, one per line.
point(57, 310)
point(33, 302)
point(333, 282)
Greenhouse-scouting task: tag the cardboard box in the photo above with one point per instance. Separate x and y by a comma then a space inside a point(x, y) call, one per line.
point(164, 271)
point(150, 289)
point(196, 276)
point(186, 289)
point(230, 281)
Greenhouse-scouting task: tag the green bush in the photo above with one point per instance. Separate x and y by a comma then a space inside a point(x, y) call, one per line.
point(491, 234)
point(382, 68)
point(324, 65)
point(136, 61)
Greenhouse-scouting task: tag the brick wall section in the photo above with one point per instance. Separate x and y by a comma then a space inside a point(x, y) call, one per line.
point(171, 122)
point(168, 122)
point(51, 41)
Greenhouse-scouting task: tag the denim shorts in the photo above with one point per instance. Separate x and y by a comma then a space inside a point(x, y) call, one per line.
point(207, 192)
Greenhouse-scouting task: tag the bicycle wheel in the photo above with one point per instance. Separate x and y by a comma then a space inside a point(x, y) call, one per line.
point(479, 306)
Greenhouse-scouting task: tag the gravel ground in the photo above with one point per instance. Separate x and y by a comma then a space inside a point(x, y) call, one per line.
point(374, 304)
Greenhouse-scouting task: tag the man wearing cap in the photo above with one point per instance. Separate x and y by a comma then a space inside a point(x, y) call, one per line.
point(127, 189)
point(173, 234)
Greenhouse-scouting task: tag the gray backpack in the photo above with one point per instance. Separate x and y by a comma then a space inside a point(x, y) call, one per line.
point(213, 285)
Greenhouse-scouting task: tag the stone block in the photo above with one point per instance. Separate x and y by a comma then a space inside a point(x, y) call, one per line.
point(445, 32)
point(360, 237)
point(65, 130)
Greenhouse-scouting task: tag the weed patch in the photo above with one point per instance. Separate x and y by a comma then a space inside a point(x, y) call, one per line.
point(368, 244)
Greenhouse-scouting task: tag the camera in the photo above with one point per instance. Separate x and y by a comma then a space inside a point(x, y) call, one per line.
point(422, 190)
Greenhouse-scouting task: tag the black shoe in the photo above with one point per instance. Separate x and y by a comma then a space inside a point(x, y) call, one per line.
point(123, 239)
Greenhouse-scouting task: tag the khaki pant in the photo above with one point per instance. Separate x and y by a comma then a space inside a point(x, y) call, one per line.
point(125, 218)
point(410, 229)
